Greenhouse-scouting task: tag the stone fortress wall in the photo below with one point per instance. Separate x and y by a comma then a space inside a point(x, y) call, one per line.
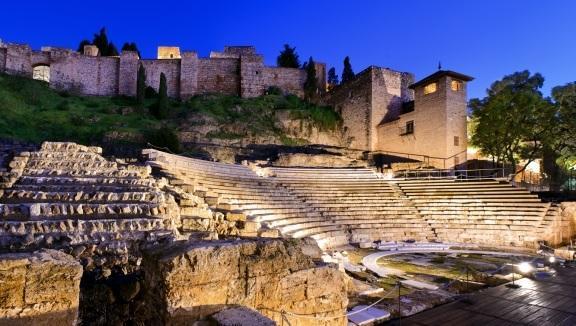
point(238, 70)
point(382, 110)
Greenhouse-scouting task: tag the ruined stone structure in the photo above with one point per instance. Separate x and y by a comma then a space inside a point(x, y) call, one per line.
point(385, 111)
point(107, 220)
point(337, 206)
point(238, 70)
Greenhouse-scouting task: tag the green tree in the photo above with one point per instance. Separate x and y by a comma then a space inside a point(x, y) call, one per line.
point(565, 139)
point(311, 83)
point(131, 46)
point(141, 86)
point(514, 122)
point(288, 58)
point(106, 48)
point(161, 108)
point(332, 77)
point(82, 44)
point(347, 72)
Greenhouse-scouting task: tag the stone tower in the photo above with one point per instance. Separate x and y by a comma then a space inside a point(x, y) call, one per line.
point(433, 127)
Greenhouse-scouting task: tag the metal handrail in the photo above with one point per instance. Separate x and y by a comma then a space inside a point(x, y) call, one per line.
point(467, 174)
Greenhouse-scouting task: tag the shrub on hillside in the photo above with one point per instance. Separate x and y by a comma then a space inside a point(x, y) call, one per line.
point(164, 138)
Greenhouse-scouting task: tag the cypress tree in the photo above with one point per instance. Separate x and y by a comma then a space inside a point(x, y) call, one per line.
point(311, 83)
point(288, 58)
point(106, 48)
point(347, 73)
point(141, 86)
point(162, 105)
point(332, 77)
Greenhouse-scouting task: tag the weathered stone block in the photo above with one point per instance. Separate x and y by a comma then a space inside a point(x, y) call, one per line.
point(41, 288)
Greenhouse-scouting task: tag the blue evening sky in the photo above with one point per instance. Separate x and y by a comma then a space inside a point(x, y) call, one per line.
point(485, 39)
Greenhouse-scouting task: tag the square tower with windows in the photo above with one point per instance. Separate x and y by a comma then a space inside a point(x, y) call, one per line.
point(433, 127)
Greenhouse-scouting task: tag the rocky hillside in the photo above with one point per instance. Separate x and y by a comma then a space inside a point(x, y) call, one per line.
point(118, 124)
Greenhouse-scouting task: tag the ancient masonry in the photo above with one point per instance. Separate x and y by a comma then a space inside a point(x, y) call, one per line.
point(175, 240)
point(67, 213)
point(384, 111)
point(239, 70)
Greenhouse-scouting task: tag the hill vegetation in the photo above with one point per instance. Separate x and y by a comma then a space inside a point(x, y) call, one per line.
point(31, 111)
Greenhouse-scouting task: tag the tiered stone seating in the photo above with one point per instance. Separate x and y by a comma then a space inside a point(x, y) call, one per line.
point(69, 193)
point(484, 211)
point(353, 200)
point(255, 201)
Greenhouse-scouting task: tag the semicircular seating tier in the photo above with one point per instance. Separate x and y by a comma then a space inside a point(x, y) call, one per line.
point(336, 206)
point(69, 194)
point(484, 211)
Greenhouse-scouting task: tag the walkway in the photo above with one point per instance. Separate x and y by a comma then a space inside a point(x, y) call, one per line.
point(550, 301)
point(371, 261)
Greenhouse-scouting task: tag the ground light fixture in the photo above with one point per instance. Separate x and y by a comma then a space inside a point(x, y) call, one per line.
point(551, 259)
point(525, 267)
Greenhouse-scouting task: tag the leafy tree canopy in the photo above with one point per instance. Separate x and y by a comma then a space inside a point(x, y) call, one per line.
point(288, 58)
point(131, 46)
point(514, 121)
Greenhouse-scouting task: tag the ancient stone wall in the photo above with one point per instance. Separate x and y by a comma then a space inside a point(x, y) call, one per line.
point(236, 71)
point(218, 76)
point(84, 74)
point(192, 281)
point(41, 288)
point(18, 60)
point(291, 80)
point(128, 74)
point(188, 74)
point(353, 101)
point(170, 68)
point(2, 59)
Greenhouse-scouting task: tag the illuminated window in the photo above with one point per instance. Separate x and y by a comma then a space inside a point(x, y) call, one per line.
point(457, 85)
point(41, 73)
point(456, 141)
point(430, 88)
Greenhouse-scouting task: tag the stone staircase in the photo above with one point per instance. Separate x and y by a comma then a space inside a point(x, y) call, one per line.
point(259, 205)
point(353, 201)
point(337, 206)
point(67, 195)
point(479, 211)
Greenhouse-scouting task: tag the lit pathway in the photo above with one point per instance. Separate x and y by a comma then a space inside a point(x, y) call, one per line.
point(371, 261)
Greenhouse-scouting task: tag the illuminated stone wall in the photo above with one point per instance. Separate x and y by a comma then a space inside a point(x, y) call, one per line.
point(438, 117)
point(236, 71)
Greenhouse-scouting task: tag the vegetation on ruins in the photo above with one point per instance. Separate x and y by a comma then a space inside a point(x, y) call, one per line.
point(100, 40)
point(332, 78)
point(347, 72)
point(141, 86)
point(33, 112)
point(288, 58)
point(160, 110)
point(516, 122)
point(311, 83)
point(131, 46)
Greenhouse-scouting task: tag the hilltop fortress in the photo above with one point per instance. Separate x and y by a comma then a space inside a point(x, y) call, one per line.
point(384, 111)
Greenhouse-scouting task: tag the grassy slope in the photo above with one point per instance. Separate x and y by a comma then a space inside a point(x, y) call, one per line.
point(31, 111)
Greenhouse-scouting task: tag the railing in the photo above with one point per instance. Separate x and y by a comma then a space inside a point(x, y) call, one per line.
point(446, 161)
point(477, 174)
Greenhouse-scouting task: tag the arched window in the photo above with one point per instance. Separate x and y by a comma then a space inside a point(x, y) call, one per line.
point(41, 72)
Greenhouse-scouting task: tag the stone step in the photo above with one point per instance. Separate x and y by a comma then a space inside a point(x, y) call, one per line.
point(85, 227)
point(26, 196)
point(103, 180)
point(39, 211)
point(82, 173)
